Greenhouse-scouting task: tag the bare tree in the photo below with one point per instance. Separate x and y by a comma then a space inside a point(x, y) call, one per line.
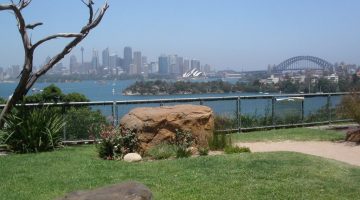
point(27, 76)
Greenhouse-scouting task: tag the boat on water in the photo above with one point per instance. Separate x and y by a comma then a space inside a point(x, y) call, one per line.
point(290, 99)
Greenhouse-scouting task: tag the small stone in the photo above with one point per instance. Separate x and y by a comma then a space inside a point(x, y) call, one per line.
point(132, 157)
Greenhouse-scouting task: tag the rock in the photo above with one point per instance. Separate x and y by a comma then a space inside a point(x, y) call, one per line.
point(155, 125)
point(353, 136)
point(124, 191)
point(132, 157)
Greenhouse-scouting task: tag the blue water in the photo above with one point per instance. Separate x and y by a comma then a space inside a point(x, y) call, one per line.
point(103, 91)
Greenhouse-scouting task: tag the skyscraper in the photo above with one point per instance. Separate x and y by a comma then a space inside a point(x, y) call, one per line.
point(138, 62)
point(186, 65)
point(105, 58)
point(174, 67)
point(163, 64)
point(73, 64)
point(127, 59)
point(195, 64)
point(95, 63)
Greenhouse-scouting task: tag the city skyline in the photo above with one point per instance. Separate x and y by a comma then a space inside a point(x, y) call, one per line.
point(239, 35)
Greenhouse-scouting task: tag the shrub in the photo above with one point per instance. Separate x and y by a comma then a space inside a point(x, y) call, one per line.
point(162, 151)
point(83, 123)
point(231, 149)
point(350, 106)
point(33, 131)
point(114, 144)
point(219, 141)
point(203, 151)
point(182, 153)
point(110, 143)
point(183, 140)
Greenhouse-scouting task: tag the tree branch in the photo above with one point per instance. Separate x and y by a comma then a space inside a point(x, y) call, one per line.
point(92, 23)
point(32, 26)
point(59, 35)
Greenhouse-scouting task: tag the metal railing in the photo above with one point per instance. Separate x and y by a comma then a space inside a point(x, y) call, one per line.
point(238, 110)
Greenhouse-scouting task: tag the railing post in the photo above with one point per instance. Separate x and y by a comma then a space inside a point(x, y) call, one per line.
point(64, 117)
point(302, 111)
point(238, 114)
point(201, 102)
point(328, 104)
point(273, 110)
point(113, 113)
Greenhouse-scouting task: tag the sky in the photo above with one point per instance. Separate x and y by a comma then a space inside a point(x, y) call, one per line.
point(227, 34)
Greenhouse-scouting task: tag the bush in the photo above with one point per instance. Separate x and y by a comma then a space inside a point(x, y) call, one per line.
point(203, 151)
point(114, 144)
point(183, 140)
point(33, 131)
point(231, 149)
point(182, 153)
point(110, 143)
point(83, 123)
point(162, 151)
point(350, 107)
point(219, 141)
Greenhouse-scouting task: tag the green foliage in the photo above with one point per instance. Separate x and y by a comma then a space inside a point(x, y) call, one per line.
point(235, 149)
point(203, 151)
point(2, 100)
point(110, 143)
point(114, 144)
point(83, 123)
point(219, 141)
point(75, 97)
point(295, 134)
point(162, 151)
point(33, 131)
point(183, 140)
point(182, 153)
point(52, 93)
point(350, 107)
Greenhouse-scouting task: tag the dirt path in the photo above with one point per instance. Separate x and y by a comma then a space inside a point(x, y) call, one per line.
point(342, 151)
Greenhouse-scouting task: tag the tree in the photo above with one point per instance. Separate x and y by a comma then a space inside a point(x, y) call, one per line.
point(27, 76)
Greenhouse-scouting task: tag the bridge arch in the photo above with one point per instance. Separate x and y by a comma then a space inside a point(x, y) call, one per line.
point(291, 64)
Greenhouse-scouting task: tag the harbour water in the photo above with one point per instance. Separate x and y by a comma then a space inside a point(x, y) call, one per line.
point(112, 91)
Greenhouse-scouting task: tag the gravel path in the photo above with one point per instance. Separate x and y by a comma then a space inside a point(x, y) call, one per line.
point(342, 151)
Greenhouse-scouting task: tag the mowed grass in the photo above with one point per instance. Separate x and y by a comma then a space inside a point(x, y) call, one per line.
point(281, 175)
point(296, 134)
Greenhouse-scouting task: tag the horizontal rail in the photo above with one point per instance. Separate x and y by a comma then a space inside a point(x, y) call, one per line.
point(177, 100)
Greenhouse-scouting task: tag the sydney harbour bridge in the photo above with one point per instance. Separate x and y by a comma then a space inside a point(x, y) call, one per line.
point(303, 63)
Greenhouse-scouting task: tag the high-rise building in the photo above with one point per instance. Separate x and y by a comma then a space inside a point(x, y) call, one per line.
point(181, 65)
point(195, 64)
point(137, 62)
point(1, 74)
point(186, 65)
point(164, 64)
point(95, 63)
point(207, 68)
point(127, 59)
point(113, 63)
point(153, 67)
point(15, 71)
point(174, 65)
point(106, 58)
point(73, 65)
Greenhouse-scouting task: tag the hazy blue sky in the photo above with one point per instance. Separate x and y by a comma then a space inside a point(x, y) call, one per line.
point(239, 34)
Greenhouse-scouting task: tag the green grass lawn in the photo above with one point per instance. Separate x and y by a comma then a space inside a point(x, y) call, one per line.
point(296, 134)
point(280, 175)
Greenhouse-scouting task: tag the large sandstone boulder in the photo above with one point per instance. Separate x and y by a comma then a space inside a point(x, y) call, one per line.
point(155, 125)
point(353, 136)
point(124, 191)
